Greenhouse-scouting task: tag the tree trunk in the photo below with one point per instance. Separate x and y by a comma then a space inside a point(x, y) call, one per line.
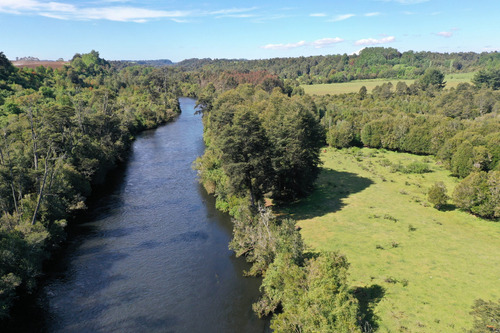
point(33, 138)
point(11, 179)
point(42, 187)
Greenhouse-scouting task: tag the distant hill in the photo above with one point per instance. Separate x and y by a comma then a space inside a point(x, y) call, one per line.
point(149, 63)
point(195, 63)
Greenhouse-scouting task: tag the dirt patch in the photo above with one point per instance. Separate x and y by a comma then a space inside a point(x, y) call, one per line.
point(35, 64)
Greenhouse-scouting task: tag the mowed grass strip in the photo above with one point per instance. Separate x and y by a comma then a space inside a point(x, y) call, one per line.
point(452, 81)
point(416, 268)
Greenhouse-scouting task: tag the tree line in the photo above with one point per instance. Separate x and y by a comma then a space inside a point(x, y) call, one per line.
point(370, 63)
point(262, 147)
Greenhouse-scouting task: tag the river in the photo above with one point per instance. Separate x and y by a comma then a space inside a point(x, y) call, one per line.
point(151, 255)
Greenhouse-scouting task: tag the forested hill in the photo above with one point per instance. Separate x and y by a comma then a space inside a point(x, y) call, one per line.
point(148, 63)
point(375, 62)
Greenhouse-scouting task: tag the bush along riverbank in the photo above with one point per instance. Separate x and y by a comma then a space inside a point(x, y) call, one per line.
point(61, 132)
point(264, 147)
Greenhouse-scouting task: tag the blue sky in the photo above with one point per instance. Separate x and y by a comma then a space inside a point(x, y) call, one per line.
point(177, 30)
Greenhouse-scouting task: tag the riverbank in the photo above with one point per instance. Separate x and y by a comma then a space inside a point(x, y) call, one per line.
point(151, 254)
point(26, 314)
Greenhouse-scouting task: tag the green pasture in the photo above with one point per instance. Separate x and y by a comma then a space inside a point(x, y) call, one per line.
point(452, 80)
point(414, 268)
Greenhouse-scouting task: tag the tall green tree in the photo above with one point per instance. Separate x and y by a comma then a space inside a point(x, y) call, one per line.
point(245, 155)
point(432, 78)
point(479, 193)
point(316, 299)
point(487, 78)
point(296, 137)
point(462, 160)
point(437, 195)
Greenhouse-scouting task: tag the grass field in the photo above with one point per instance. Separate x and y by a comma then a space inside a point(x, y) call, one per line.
point(452, 80)
point(416, 269)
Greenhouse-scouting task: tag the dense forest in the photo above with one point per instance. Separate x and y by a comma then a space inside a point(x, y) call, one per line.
point(64, 130)
point(370, 63)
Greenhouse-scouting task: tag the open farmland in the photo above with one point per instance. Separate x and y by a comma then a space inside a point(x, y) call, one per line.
point(35, 64)
point(414, 268)
point(452, 80)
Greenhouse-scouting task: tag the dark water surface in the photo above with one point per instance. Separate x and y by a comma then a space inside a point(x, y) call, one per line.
point(152, 255)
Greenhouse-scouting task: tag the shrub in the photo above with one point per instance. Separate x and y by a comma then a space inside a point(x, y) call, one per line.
point(479, 194)
point(437, 195)
point(417, 167)
point(486, 316)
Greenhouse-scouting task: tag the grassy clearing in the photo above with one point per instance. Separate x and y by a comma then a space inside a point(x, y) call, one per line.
point(416, 269)
point(452, 80)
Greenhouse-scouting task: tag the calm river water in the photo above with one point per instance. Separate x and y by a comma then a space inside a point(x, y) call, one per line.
point(152, 254)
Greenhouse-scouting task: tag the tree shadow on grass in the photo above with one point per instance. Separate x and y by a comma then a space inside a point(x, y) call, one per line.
point(368, 298)
point(447, 208)
point(332, 187)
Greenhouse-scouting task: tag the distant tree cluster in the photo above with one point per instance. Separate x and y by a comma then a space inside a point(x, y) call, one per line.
point(489, 78)
point(370, 63)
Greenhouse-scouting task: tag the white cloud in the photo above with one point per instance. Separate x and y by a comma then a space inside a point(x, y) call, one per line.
point(120, 13)
point(410, 2)
point(232, 11)
point(54, 16)
point(317, 14)
point(372, 14)
point(20, 6)
point(325, 42)
point(59, 10)
point(126, 14)
point(284, 46)
point(262, 19)
point(373, 41)
point(446, 34)
point(60, 7)
point(320, 43)
point(237, 16)
point(407, 2)
point(179, 20)
point(342, 17)
point(490, 48)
